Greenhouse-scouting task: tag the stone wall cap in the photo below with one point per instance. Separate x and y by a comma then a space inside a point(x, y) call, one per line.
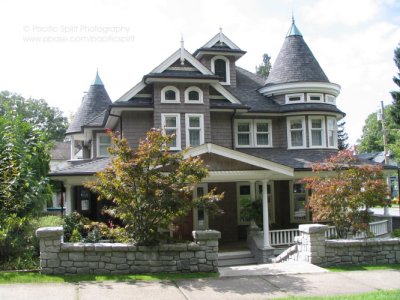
point(46, 232)
point(206, 234)
point(312, 228)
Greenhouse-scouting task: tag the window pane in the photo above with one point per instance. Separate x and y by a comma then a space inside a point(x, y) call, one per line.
point(243, 139)
point(103, 149)
point(170, 95)
point(316, 123)
point(297, 138)
point(220, 68)
point(262, 138)
point(170, 122)
point(331, 124)
point(244, 190)
point(295, 98)
point(331, 138)
point(194, 96)
point(316, 138)
point(262, 127)
point(105, 139)
point(315, 98)
point(194, 122)
point(194, 137)
point(296, 124)
point(169, 132)
point(244, 127)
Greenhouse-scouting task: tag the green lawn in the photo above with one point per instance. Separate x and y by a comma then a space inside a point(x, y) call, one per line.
point(377, 295)
point(366, 267)
point(35, 277)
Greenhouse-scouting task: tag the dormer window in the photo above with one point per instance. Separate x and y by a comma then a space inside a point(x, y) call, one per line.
point(220, 67)
point(170, 94)
point(315, 97)
point(294, 98)
point(193, 95)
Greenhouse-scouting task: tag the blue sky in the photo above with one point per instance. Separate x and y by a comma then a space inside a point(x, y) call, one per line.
point(51, 49)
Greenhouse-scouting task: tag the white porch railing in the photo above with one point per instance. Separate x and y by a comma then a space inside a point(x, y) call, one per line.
point(286, 236)
point(283, 237)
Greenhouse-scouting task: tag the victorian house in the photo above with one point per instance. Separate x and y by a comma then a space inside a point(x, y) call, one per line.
point(257, 137)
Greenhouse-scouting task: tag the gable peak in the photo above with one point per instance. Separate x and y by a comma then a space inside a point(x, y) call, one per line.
point(293, 30)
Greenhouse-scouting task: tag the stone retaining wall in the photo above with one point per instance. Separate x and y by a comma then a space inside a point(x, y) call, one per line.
point(57, 257)
point(311, 246)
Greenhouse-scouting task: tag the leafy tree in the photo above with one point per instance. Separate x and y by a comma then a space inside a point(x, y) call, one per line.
point(342, 136)
point(36, 112)
point(24, 188)
point(264, 69)
point(344, 196)
point(372, 138)
point(150, 186)
point(395, 112)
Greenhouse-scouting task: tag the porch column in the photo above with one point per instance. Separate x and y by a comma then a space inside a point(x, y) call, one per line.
point(68, 199)
point(265, 214)
point(72, 153)
point(253, 198)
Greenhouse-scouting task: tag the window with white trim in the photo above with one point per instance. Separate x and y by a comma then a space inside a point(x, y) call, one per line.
point(244, 199)
point(171, 125)
point(296, 132)
point(103, 143)
point(315, 97)
point(194, 95)
point(332, 132)
point(316, 127)
point(330, 99)
point(294, 98)
point(220, 67)
point(253, 133)
point(194, 129)
point(298, 212)
point(170, 94)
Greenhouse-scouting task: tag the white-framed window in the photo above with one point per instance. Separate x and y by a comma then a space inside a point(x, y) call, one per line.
point(298, 211)
point(316, 127)
point(296, 132)
point(170, 94)
point(253, 133)
point(220, 67)
point(330, 99)
point(200, 215)
point(332, 132)
point(313, 97)
point(244, 197)
point(171, 124)
point(194, 129)
point(103, 143)
point(193, 95)
point(294, 98)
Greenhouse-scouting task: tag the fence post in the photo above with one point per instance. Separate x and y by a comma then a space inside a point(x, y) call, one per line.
point(312, 243)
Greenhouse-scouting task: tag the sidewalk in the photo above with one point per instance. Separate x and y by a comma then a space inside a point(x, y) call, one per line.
point(235, 286)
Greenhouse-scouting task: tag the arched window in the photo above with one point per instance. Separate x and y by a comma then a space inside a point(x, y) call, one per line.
point(193, 94)
point(170, 94)
point(220, 67)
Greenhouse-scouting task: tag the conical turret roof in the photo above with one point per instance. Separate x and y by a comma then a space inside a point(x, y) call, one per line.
point(295, 62)
point(94, 104)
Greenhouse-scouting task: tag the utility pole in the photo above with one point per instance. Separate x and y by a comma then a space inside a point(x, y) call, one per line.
point(385, 152)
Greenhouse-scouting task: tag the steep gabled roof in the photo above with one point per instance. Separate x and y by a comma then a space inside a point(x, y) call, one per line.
point(93, 105)
point(295, 62)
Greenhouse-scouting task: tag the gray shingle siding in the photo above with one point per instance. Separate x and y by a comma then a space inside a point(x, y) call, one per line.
point(221, 129)
point(135, 124)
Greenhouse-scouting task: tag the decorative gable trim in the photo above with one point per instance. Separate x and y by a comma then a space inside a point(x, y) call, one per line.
point(219, 88)
point(220, 37)
point(132, 92)
point(240, 156)
point(186, 56)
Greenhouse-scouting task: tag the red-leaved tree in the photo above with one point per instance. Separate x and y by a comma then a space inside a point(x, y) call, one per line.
point(343, 189)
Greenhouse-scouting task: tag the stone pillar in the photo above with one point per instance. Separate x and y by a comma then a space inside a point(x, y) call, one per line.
point(209, 240)
point(311, 243)
point(266, 243)
point(68, 199)
point(50, 247)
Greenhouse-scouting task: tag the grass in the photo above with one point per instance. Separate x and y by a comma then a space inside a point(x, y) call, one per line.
point(35, 277)
point(345, 268)
point(376, 295)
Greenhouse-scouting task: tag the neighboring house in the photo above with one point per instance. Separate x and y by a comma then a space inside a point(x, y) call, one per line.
point(257, 137)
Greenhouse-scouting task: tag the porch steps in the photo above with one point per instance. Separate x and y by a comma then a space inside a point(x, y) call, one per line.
point(237, 258)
